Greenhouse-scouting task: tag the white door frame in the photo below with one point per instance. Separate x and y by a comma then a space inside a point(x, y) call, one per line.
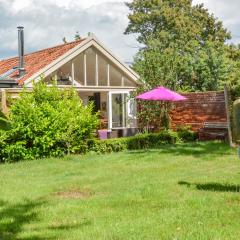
point(110, 93)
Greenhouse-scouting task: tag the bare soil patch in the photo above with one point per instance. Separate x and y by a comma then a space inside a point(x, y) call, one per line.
point(75, 194)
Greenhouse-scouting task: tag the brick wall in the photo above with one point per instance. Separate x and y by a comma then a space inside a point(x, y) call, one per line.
point(199, 109)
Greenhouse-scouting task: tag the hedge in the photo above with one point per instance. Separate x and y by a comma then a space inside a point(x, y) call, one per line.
point(186, 134)
point(140, 141)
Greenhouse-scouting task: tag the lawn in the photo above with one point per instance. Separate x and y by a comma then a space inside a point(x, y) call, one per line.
point(189, 191)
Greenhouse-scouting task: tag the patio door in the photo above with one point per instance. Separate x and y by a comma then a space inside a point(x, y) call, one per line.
point(118, 109)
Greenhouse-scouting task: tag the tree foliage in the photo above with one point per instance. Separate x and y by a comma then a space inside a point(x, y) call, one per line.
point(77, 36)
point(233, 80)
point(176, 20)
point(184, 48)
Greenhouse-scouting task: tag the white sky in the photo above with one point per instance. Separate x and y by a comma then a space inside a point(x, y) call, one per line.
point(21, 4)
point(46, 22)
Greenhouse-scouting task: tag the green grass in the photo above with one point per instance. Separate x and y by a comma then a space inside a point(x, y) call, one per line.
point(189, 191)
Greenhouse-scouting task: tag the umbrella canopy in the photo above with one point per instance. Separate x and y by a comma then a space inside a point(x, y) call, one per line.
point(161, 94)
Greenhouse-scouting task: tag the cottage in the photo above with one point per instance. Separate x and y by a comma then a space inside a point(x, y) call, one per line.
point(85, 64)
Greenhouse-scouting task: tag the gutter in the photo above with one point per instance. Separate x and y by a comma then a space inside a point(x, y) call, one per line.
point(8, 83)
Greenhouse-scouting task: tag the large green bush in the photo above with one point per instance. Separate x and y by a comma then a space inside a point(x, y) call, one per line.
point(47, 122)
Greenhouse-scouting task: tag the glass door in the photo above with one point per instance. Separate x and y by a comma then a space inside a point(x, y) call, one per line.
point(117, 109)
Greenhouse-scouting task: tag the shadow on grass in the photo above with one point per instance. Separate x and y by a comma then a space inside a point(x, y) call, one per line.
point(85, 222)
point(13, 217)
point(214, 187)
point(195, 148)
point(35, 237)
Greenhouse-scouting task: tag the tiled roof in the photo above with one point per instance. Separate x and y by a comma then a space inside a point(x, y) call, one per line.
point(35, 61)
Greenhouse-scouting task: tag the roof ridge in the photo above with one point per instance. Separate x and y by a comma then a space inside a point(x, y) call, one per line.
point(45, 49)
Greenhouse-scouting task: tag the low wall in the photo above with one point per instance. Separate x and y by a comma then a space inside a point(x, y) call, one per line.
point(200, 108)
point(8, 93)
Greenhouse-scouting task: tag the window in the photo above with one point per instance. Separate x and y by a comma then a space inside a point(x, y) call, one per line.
point(128, 83)
point(79, 69)
point(115, 77)
point(64, 74)
point(102, 71)
point(91, 67)
point(51, 78)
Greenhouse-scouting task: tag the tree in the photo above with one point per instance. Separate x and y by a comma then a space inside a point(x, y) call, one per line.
point(176, 20)
point(187, 43)
point(77, 36)
point(183, 46)
point(234, 76)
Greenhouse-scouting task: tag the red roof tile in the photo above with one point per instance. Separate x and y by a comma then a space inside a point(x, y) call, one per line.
point(35, 61)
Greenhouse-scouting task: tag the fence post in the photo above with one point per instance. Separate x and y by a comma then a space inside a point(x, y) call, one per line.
point(4, 101)
point(228, 116)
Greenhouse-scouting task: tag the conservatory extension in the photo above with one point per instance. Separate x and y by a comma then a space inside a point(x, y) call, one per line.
point(90, 68)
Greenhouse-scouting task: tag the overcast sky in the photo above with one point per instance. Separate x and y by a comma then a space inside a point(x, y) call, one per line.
point(47, 22)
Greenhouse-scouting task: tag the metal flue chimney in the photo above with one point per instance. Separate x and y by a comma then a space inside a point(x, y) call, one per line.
point(21, 51)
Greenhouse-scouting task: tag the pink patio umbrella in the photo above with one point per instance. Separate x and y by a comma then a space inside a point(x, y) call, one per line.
point(161, 94)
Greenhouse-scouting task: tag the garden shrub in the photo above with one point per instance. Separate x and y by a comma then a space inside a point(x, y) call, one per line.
point(108, 145)
point(140, 141)
point(47, 122)
point(152, 139)
point(186, 134)
point(4, 124)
